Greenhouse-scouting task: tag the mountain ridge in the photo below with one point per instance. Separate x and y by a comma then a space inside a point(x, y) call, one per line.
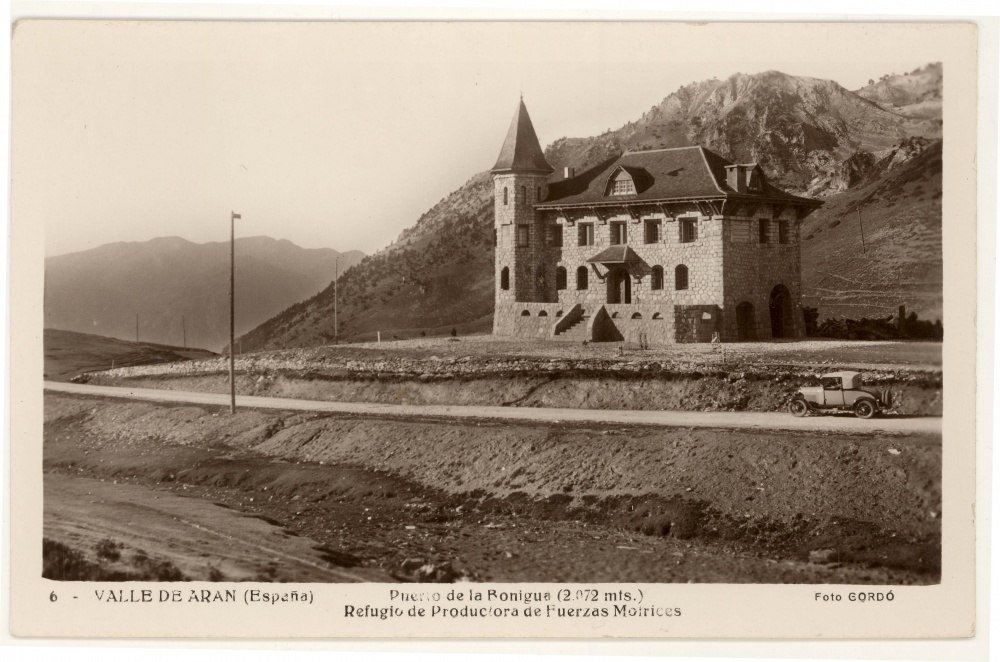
point(812, 136)
point(101, 290)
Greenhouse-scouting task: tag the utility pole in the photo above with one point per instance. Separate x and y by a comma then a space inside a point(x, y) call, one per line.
point(232, 311)
point(861, 225)
point(336, 295)
point(184, 333)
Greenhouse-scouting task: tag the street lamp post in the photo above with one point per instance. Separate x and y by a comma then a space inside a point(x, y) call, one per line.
point(336, 295)
point(232, 311)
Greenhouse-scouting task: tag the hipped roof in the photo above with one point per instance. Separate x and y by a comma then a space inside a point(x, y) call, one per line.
point(618, 254)
point(668, 174)
point(521, 151)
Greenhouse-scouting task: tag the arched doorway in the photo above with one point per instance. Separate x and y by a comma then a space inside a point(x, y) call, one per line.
point(619, 286)
point(780, 305)
point(746, 324)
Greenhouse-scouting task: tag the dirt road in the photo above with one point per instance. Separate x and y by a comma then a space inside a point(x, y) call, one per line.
point(739, 420)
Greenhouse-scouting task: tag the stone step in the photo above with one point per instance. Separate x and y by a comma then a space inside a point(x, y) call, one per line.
point(577, 332)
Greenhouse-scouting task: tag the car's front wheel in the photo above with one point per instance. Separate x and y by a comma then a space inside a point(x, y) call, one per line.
point(798, 407)
point(864, 409)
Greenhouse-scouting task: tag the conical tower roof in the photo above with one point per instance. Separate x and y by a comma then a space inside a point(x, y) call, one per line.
point(521, 151)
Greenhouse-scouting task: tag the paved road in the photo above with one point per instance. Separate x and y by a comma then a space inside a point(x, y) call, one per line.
point(744, 420)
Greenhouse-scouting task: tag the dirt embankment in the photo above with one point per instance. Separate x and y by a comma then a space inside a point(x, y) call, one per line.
point(492, 372)
point(913, 393)
point(444, 489)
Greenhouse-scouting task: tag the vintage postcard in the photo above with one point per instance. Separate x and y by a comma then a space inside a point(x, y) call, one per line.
point(508, 329)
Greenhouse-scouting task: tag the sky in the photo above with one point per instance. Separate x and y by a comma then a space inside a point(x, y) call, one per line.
point(342, 135)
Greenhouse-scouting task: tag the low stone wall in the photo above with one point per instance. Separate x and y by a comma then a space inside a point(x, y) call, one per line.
point(633, 323)
point(527, 320)
point(639, 323)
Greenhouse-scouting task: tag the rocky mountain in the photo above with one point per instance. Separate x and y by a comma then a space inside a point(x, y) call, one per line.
point(100, 291)
point(811, 136)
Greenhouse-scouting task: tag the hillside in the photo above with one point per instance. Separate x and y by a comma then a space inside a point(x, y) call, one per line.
point(917, 94)
point(103, 289)
point(67, 354)
point(812, 136)
point(901, 264)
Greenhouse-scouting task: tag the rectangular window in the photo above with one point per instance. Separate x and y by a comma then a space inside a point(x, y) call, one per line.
point(553, 235)
point(586, 234)
point(619, 233)
point(740, 233)
point(623, 187)
point(763, 230)
point(782, 232)
point(688, 230)
point(523, 235)
point(652, 232)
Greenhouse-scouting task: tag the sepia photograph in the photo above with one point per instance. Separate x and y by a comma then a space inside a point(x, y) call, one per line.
point(467, 304)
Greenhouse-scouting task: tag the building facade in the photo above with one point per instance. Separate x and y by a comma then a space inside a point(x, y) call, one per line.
point(659, 246)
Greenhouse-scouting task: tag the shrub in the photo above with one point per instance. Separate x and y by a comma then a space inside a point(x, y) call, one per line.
point(107, 550)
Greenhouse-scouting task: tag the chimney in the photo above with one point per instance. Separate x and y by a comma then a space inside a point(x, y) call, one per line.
point(736, 178)
point(568, 172)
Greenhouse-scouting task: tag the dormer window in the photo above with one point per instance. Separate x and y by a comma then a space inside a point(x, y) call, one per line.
point(623, 186)
point(753, 184)
point(626, 180)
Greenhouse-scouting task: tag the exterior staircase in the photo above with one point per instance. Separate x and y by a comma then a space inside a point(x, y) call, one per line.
point(577, 332)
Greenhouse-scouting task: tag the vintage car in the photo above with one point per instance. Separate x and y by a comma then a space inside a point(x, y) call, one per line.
point(840, 391)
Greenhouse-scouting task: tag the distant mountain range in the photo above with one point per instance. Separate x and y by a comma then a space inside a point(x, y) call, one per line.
point(100, 291)
point(877, 148)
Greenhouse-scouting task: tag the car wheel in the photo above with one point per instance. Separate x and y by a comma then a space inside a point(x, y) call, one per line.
point(798, 407)
point(864, 409)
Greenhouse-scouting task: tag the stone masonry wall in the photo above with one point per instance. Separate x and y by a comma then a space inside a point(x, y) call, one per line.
point(726, 267)
point(753, 270)
point(702, 257)
point(509, 319)
point(526, 282)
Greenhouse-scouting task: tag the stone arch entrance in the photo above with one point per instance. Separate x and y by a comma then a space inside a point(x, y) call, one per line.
point(746, 322)
point(780, 305)
point(619, 286)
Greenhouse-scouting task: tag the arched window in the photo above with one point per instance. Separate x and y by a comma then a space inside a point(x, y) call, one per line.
point(505, 279)
point(681, 277)
point(656, 280)
point(581, 278)
point(505, 195)
point(560, 278)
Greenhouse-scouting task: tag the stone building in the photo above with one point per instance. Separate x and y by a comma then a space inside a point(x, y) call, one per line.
point(659, 246)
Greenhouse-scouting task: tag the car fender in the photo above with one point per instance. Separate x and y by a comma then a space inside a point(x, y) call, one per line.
point(811, 394)
point(863, 396)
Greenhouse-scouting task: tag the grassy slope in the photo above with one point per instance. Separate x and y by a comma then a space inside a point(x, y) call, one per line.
point(68, 353)
point(431, 281)
point(902, 264)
